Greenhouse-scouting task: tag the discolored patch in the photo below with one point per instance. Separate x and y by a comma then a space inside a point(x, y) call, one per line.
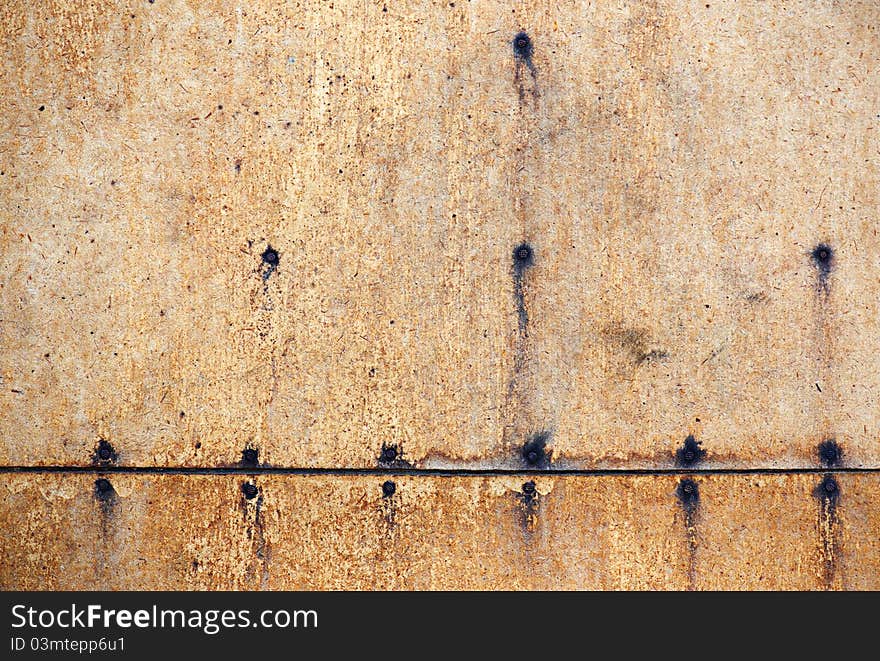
point(629, 348)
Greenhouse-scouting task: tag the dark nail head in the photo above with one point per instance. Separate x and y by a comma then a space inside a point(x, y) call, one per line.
point(104, 453)
point(688, 493)
point(830, 452)
point(522, 46)
point(690, 452)
point(534, 451)
point(823, 257)
point(270, 256)
point(523, 255)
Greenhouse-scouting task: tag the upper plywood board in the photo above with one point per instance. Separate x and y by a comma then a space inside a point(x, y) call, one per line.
point(672, 165)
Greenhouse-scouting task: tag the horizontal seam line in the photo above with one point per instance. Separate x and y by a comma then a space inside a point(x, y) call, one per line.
point(423, 472)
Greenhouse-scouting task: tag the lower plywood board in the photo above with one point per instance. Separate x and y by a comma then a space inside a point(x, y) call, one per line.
point(185, 531)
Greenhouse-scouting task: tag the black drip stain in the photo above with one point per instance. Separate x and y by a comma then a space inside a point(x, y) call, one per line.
point(827, 493)
point(823, 260)
point(830, 453)
point(253, 503)
point(523, 49)
point(104, 454)
point(391, 456)
point(250, 457)
point(389, 504)
point(690, 453)
point(529, 504)
point(107, 499)
point(529, 493)
point(688, 494)
point(271, 259)
point(534, 452)
point(105, 494)
point(523, 259)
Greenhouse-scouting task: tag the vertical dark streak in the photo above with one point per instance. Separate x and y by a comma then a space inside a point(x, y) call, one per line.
point(523, 258)
point(389, 504)
point(824, 261)
point(253, 502)
point(521, 312)
point(261, 549)
point(688, 494)
point(107, 499)
point(271, 259)
point(519, 391)
point(523, 48)
point(827, 493)
point(529, 507)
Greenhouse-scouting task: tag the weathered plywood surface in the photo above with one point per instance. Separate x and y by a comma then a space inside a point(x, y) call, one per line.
point(319, 532)
point(673, 165)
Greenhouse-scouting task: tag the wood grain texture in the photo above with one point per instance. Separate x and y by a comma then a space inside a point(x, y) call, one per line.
point(293, 226)
point(673, 166)
point(320, 532)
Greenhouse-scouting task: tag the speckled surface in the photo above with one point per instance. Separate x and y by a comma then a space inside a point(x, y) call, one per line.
point(291, 227)
point(321, 532)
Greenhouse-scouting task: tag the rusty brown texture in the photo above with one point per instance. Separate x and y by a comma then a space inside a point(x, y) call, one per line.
point(450, 532)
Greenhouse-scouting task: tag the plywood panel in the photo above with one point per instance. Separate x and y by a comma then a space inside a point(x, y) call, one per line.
point(319, 532)
point(673, 167)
